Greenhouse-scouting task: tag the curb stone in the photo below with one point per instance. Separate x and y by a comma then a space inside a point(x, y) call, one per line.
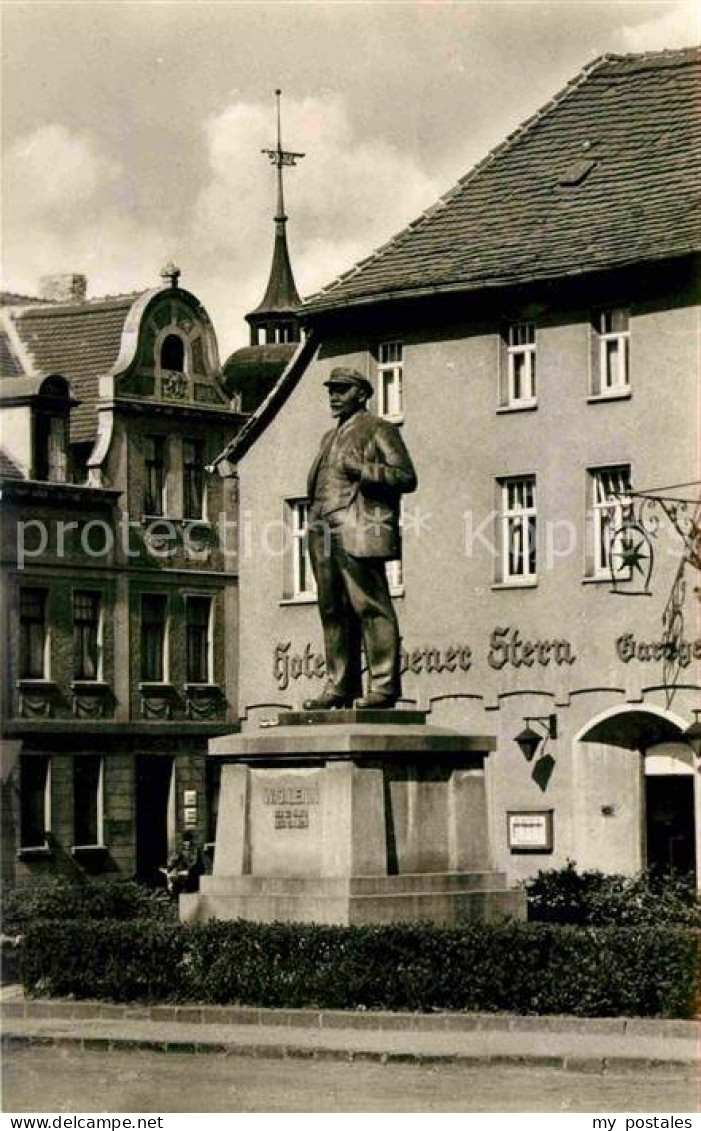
point(568, 1063)
point(65, 1009)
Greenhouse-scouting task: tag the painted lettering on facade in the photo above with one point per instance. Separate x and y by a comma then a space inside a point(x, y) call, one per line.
point(289, 665)
point(683, 651)
point(506, 646)
point(450, 659)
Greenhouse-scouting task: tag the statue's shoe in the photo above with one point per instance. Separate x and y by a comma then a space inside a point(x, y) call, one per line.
point(327, 701)
point(375, 701)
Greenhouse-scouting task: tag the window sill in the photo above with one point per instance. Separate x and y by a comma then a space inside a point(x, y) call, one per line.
point(391, 418)
point(397, 591)
point(202, 688)
point(598, 579)
point(530, 583)
point(88, 849)
point(35, 684)
point(152, 688)
point(94, 686)
point(34, 852)
point(307, 600)
point(619, 395)
point(526, 406)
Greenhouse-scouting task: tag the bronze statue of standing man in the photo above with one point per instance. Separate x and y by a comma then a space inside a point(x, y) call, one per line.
point(354, 489)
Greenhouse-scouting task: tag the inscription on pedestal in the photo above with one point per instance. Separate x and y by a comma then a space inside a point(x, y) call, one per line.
point(286, 820)
point(291, 818)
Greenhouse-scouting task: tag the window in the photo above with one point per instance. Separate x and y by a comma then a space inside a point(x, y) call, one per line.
point(608, 488)
point(390, 365)
point(51, 448)
point(153, 637)
point(193, 478)
point(86, 633)
point(610, 361)
point(198, 612)
point(519, 388)
point(518, 529)
point(35, 799)
point(33, 634)
point(87, 800)
point(299, 583)
point(154, 492)
point(173, 353)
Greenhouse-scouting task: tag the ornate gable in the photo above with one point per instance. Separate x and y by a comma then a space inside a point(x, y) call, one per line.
point(171, 353)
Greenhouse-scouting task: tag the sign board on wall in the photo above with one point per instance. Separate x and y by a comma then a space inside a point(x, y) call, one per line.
point(530, 830)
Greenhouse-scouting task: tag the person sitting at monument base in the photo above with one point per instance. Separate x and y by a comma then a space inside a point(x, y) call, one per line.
point(354, 488)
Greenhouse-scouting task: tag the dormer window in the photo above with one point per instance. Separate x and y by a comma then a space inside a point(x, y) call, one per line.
point(173, 353)
point(50, 431)
point(51, 448)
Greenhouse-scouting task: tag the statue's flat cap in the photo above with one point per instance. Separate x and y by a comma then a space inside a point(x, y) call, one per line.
point(344, 375)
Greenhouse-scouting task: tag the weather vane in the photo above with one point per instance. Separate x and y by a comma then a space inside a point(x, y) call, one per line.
point(278, 158)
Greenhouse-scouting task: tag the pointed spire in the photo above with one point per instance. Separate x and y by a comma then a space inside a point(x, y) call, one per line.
point(281, 295)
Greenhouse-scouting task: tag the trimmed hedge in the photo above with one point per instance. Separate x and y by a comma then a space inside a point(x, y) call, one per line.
point(594, 898)
point(511, 966)
point(58, 898)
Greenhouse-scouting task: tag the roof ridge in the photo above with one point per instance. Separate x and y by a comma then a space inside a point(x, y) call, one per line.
point(693, 48)
point(86, 306)
point(496, 152)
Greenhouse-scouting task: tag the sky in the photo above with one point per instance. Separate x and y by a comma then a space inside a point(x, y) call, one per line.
point(133, 130)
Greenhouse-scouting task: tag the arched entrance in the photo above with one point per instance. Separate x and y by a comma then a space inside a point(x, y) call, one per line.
point(638, 799)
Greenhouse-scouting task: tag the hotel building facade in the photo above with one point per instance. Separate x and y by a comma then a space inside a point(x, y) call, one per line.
point(535, 337)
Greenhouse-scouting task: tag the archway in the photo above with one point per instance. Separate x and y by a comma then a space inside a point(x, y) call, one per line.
point(638, 800)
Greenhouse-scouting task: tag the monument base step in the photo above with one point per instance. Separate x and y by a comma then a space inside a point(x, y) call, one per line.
point(441, 898)
point(353, 885)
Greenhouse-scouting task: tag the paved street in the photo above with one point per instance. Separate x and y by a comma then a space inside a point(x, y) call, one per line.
point(63, 1080)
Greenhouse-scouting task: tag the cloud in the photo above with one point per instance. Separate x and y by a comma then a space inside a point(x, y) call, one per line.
point(68, 206)
point(53, 172)
point(678, 26)
point(348, 195)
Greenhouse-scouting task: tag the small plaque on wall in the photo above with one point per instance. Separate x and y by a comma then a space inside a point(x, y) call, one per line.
point(530, 830)
point(190, 818)
point(190, 798)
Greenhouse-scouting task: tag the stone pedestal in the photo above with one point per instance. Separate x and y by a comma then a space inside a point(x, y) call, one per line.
point(352, 817)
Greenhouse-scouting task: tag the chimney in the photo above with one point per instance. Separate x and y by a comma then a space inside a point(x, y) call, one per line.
point(63, 288)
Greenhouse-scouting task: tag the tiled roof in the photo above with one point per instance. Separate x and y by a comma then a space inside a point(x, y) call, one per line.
point(79, 340)
point(606, 174)
point(11, 298)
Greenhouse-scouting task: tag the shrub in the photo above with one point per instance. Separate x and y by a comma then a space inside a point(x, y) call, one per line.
point(512, 966)
point(58, 898)
point(137, 960)
point(595, 898)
